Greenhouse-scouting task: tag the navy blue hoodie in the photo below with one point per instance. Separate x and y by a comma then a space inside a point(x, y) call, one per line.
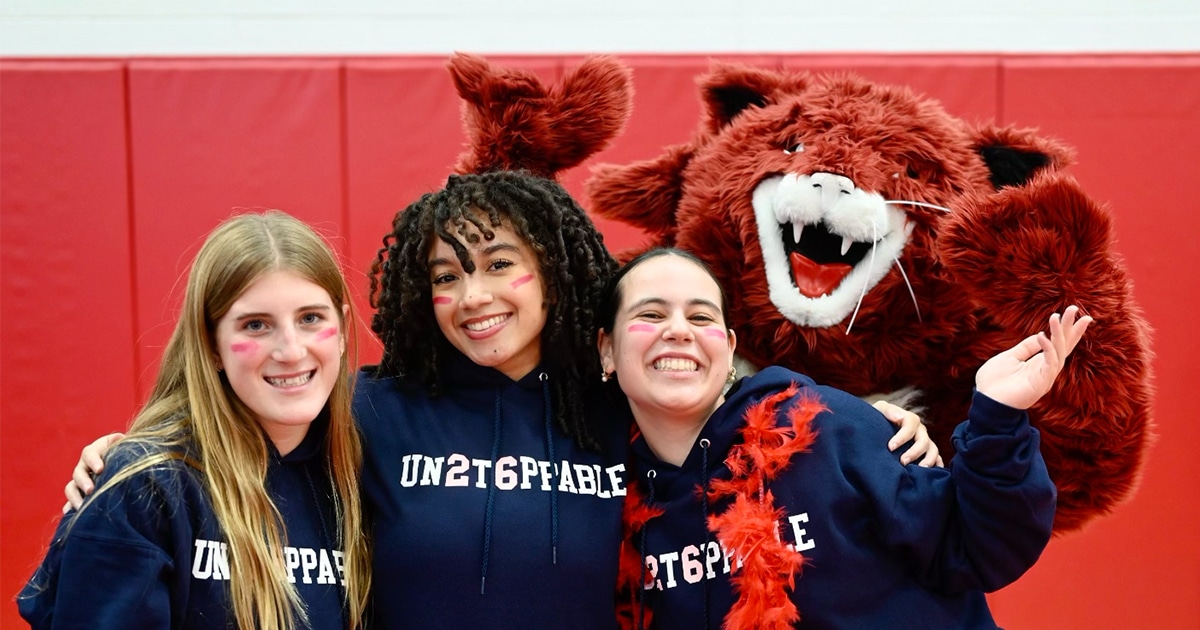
point(148, 553)
point(485, 514)
point(885, 545)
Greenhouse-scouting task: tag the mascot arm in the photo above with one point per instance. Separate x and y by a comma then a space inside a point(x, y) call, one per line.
point(1034, 248)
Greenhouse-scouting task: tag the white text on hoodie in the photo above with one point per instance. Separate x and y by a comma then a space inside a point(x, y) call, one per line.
point(694, 561)
point(211, 562)
point(512, 473)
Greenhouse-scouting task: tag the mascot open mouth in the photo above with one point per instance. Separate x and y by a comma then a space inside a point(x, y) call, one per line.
point(824, 251)
point(820, 260)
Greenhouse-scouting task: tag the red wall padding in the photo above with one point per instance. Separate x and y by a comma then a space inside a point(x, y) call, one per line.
point(67, 332)
point(208, 137)
point(112, 171)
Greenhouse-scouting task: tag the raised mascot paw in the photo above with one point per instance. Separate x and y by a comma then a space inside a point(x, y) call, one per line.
point(1033, 248)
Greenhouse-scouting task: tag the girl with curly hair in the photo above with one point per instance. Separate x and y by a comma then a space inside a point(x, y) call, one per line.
point(494, 475)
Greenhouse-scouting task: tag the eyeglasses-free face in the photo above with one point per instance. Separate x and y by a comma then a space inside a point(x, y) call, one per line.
point(280, 345)
point(495, 314)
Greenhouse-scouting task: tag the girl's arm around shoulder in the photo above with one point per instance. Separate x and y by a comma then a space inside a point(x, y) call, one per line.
point(109, 563)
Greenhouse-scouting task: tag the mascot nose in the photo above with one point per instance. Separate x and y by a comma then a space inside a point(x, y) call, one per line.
point(831, 187)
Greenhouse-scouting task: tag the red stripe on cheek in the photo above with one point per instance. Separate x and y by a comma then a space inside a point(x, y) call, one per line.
point(713, 332)
point(441, 299)
point(245, 346)
point(640, 328)
point(522, 280)
point(327, 333)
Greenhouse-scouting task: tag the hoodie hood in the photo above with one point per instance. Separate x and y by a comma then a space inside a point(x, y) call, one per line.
point(458, 373)
point(311, 446)
point(720, 433)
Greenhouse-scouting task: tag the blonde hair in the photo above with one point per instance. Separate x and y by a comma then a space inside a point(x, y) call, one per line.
point(193, 409)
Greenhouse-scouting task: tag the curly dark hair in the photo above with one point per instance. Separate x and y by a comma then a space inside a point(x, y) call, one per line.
point(574, 264)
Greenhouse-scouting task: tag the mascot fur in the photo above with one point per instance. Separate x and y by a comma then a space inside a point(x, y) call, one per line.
point(866, 238)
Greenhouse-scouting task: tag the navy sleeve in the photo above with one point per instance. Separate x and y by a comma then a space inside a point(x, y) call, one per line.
point(110, 566)
point(984, 522)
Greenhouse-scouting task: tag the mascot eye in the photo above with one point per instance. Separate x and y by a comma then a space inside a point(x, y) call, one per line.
point(914, 173)
point(796, 148)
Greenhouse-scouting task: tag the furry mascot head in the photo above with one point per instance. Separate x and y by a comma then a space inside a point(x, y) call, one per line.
point(870, 240)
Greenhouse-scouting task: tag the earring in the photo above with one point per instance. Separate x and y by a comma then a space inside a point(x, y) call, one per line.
point(732, 374)
point(605, 377)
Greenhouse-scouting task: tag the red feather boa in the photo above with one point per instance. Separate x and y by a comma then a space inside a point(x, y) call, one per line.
point(749, 528)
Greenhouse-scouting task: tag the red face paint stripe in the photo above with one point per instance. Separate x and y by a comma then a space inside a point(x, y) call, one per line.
point(522, 280)
point(713, 332)
point(441, 299)
point(327, 333)
point(640, 328)
point(245, 346)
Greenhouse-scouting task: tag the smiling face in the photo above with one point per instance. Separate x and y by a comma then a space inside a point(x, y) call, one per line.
point(280, 345)
point(494, 314)
point(669, 345)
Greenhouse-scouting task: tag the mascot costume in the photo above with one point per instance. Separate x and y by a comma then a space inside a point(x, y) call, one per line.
point(866, 238)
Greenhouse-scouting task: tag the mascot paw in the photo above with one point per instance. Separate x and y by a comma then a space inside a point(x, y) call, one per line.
point(1041, 245)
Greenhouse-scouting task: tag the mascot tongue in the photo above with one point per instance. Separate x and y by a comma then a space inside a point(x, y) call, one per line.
point(815, 280)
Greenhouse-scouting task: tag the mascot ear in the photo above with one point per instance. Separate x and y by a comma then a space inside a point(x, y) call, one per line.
point(513, 121)
point(642, 194)
point(730, 89)
point(1013, 156)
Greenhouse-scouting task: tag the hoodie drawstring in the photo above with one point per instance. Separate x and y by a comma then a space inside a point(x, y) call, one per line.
point(326, 539)
point(491, 498)
point(704, 444)
point(545, 379)
point(641, 598)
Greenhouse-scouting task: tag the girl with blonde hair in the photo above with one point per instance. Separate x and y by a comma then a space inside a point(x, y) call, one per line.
point(234, 497)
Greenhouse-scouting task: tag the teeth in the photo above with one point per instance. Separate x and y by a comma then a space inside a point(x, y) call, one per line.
point(785, 198)
point(797, 230)
point(846, 243)
point(294, 381)
point(486, 324)
point(675, 365)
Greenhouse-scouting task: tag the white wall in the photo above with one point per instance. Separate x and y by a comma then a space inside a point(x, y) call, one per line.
point(289, 27)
